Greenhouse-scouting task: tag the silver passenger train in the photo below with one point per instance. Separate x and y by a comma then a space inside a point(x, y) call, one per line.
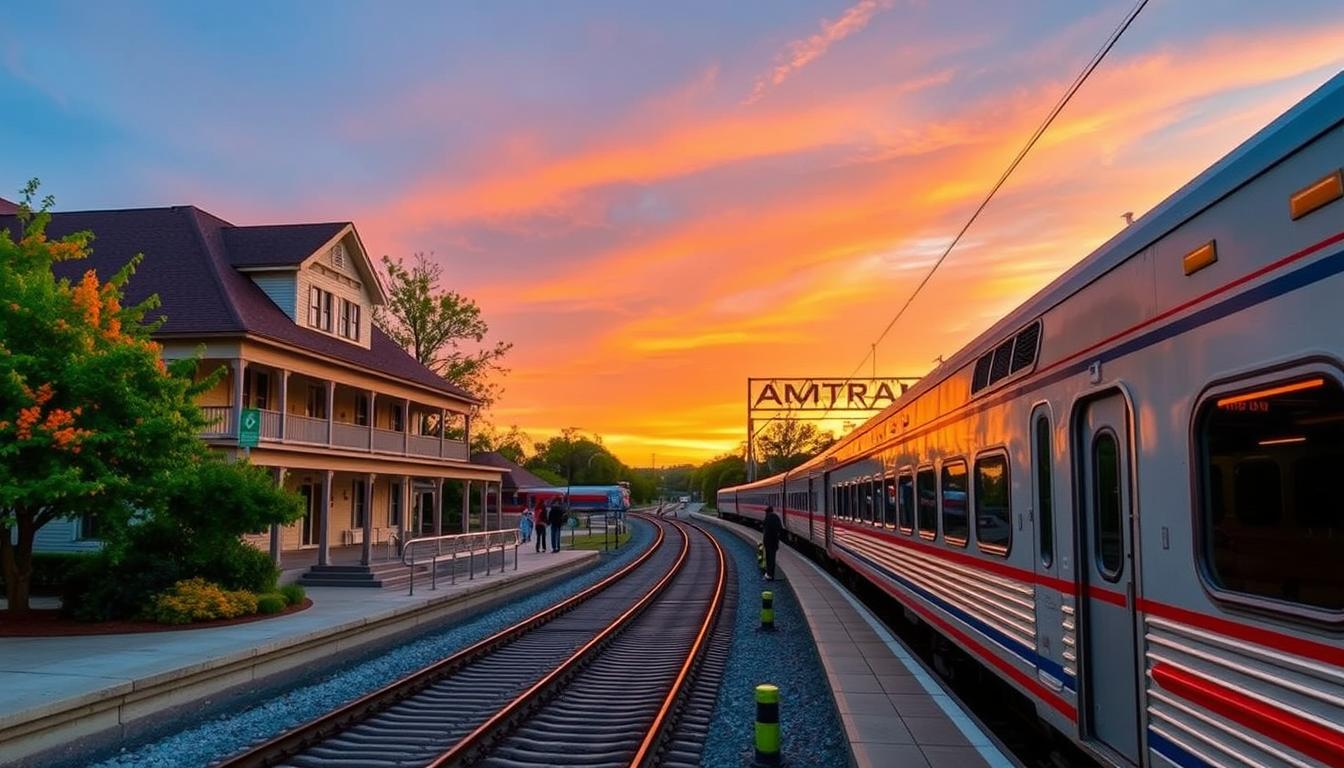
point(1126, 498)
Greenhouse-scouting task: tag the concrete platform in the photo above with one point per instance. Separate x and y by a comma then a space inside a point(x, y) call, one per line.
point(895, 712)
point(56, 690)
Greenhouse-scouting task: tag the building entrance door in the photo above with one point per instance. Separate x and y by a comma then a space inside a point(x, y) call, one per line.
point(308, 526)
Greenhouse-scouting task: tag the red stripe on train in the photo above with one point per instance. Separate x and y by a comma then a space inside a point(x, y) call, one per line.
point(1305, 736)
point(971, 644)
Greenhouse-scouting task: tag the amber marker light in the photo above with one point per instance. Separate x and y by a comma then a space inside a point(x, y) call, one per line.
point(1327, 190)
point(1271, 392)
point(1200, 258)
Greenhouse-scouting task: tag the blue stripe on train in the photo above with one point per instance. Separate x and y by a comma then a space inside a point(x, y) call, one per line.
point(1024, 653)
point(1173, 752)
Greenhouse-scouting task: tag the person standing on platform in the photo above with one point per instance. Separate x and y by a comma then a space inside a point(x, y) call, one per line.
point(772, 527)
point(525, 523)
point(556, 520)
point(541, 527)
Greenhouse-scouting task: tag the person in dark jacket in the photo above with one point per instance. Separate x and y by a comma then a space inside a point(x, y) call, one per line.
point(772, 527)
point(556, 520)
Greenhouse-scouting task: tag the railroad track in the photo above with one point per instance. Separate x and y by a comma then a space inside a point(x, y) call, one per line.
point(596, 680)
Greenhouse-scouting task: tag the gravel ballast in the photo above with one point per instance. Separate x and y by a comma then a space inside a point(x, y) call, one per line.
point(810, 729)
point(208, 741)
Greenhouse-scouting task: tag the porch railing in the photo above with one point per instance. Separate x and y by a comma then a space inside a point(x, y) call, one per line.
point(306, 429)
point(349, 435)
point(432, 549)
point(220, 421)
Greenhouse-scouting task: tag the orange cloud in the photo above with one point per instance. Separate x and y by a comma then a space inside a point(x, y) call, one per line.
point(800, 53)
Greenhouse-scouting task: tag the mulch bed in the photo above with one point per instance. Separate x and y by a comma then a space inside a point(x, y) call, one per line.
point(50, 623)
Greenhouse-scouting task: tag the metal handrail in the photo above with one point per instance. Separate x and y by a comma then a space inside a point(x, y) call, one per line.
point(451, 545)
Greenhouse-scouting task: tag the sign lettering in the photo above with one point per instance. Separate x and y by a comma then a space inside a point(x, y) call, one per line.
point(820, 395)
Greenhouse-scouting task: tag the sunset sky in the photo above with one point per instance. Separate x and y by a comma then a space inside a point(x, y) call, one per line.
point(654, 201)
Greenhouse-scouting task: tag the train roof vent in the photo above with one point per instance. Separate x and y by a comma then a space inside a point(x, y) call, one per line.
point(981, 378)
point(1003, 355)
point(1024, 348)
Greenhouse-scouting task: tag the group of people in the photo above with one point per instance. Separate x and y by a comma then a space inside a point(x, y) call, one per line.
point(538, 520)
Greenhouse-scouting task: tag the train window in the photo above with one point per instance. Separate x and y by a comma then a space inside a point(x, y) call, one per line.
point(905, 503)
point(1272, 517)
point(993, 516)
point(1045, 514)
point(1106, 500)
point(871, 509)
point(926, 487)
point(889, 501)
point(955, 526)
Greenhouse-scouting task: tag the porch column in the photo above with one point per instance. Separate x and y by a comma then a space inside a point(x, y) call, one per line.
point(239, 366)
point(443, 422)
point(485, 506)
point(331, 411)
point(323, 524)
point(405, 426)
point(438, 506)
point(284, 401)
point(466, 506)
point(275, 527)
point(406, 502)
point(366, 556)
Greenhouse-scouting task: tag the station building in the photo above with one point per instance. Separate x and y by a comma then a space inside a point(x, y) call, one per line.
point(362, 431)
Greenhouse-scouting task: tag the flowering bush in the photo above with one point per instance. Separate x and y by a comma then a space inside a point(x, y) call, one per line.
point(199, 600)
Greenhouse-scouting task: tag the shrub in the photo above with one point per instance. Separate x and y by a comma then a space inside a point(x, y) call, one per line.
point(51, 570)
point(199, 600)
point(237, 565)
point(105, 589)
point(293, 593)
point(270, 603)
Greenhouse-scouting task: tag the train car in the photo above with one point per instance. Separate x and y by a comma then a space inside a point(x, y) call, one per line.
point(1120, 499)
point(581, 498)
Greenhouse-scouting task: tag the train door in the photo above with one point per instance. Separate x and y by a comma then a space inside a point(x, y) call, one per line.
point(1052, 648)
point(828, 508)
point(1108, 642)
point(811, 508)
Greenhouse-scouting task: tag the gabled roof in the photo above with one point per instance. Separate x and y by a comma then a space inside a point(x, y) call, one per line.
point(278, 245)
point(187, 263)
point(516, 477)
point(8, 207)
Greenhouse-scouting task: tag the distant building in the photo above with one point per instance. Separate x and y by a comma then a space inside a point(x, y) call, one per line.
point(349, 421)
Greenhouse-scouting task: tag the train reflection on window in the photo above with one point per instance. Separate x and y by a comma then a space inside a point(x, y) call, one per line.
point(1109, 536)
point(926, 486)
point(905, 503)
point(955, 525)
point(1272, 508)
point(993, 518)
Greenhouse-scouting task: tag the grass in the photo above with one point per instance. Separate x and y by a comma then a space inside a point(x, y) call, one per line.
point(584, 540)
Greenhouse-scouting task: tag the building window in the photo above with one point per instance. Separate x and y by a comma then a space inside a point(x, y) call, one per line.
point(394, 504)
point(316, 407)
point(905, 503)
point(398, 422)
point(361, 409)
point(1271, 516)
point(349, 326)
point(88, 527)
point(319, 308)
point(258, 386)
point(357, 509)
point(338, 256)
point(1045, 514)
point(955, 525)
point(926, 486)
point(993, 513)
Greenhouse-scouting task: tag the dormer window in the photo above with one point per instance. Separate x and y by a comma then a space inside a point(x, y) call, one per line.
point(338, 256)
point(319, 308)
point(349, 327)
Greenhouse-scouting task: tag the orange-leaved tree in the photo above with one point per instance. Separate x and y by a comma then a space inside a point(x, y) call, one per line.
point(91, 419)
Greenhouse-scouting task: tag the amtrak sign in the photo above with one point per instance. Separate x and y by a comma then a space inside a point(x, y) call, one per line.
point(803, 396)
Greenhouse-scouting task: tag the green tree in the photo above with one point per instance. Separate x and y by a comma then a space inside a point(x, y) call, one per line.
point(787, 442)
point(440, 327)
point(512, 444)
point(91, 419)
point(717, 473)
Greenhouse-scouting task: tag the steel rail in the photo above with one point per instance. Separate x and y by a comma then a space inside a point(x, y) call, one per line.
point(465, 747)
point(674, 693)
point(295, 740)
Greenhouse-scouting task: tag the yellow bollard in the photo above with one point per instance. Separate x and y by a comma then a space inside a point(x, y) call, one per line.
point(767, 610)
point(767, 724)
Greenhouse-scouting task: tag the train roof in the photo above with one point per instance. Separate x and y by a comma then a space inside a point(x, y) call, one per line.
point(1311, 117)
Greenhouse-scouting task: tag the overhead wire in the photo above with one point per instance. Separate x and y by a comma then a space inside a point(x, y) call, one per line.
point(1003, 178)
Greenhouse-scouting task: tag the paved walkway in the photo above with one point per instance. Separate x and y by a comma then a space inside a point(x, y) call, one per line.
point(895, 712)
point(39, 675)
